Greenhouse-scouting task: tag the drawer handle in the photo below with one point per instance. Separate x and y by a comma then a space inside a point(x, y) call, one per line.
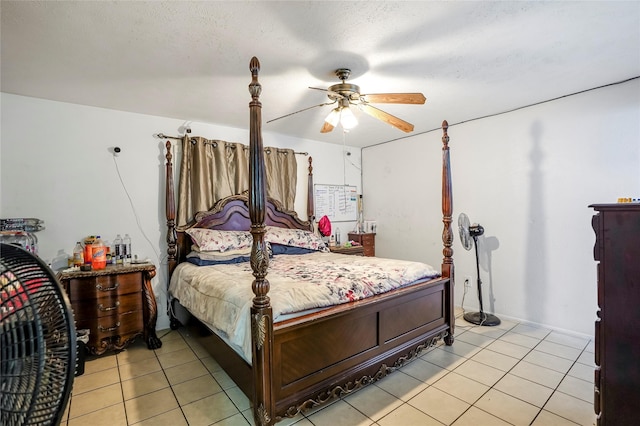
point(103, 329)
point(99, 287)
point(103, 309)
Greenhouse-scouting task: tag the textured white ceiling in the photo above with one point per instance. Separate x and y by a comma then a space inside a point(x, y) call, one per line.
point(189, 60)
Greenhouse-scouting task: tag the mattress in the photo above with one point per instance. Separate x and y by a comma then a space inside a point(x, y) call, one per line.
point(221, 295)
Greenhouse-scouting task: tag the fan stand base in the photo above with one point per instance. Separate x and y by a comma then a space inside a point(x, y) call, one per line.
point(481, 318)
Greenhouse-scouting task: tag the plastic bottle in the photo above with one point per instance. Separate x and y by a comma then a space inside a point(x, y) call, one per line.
point(99, 255)
point(78, 254)
point(117, 245)
point(107, 249)
point(88, 251)
point(127, 249)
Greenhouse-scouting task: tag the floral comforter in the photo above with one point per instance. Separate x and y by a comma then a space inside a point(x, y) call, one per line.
point(221, 295)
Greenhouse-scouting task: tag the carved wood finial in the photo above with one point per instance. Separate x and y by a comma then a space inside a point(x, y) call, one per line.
point(254, 87)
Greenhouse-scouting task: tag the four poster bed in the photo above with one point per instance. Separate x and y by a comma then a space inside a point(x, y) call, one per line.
point(290, 359)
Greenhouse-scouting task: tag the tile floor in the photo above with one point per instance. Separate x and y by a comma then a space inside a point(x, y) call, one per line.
point(512, 374)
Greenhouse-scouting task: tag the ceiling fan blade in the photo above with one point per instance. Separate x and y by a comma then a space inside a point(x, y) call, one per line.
point(326, 128)
point(395, 98)
point(305, 109)
point(387, 118)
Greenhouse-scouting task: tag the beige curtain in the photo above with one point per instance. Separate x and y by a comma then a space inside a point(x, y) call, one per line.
point(213, 169)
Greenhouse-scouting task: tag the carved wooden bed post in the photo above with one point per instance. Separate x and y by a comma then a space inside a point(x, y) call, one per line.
point(447, 232)
point(261, 312)
point(170, 205)
point(310, 205)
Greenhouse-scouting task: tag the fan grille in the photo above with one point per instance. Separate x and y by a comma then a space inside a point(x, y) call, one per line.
point(37, 341)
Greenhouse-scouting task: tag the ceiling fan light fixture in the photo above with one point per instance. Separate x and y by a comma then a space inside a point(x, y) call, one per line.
point(347, 119)
point(333, 117)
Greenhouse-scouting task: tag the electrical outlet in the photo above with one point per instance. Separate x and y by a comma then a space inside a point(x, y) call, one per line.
point(467, 282)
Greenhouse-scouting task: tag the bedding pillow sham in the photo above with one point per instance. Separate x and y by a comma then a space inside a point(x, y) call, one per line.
point(212, 239)
point(294, 238)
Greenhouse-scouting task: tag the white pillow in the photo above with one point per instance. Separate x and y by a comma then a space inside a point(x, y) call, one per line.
point(211, 239)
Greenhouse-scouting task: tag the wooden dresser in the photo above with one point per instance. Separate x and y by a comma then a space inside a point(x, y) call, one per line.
point(366, 240)
point(116, 304)
point(617, 331)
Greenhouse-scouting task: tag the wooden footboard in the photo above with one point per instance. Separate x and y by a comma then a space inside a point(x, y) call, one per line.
point(332, 353)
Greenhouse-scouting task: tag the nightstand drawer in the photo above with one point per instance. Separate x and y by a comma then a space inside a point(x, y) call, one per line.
point(104, 286)
point(109, 305)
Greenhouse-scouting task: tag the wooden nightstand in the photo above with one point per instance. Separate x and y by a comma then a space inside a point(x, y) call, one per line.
point(366, 240)
point(116, 304)
point(353, 250)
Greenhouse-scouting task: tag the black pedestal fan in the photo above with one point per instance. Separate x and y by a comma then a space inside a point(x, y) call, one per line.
point(37, 341)
point(468, 232)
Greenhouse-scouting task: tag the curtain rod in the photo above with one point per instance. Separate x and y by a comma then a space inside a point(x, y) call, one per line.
point(163, 136)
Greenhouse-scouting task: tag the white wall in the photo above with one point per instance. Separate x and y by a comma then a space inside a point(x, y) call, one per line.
point(55, 164)
point(527, 177)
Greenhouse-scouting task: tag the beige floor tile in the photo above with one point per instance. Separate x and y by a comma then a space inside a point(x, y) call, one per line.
point(172, 345)
point(209, 410)
point(537, 374)
point(559, 350)
point(480, 372)
point(170, 418)
point(150, 405)
point(577, 387)
point(463, 349)
point(110, 416)
point(506, 348)
point(167, 335)
point(495, 360)
point(139, 368)
point(135, 353)
point(401, 385)
point(211, 364)
point(531, 331)
point(552, 362)
point(571, 408)
point(408, 415)
point(581, 371)
point(195, 389)
point(507, 408)
point(373, 402)
point(424, 371)
point(546, 418)
point(224, 380)
point(93, 364)
point(505, 324)
point(89, 382)
point(238, 398)
point(524, 389)
point(339, 414)
point(520, 339)
point(443, 358)
point(187, 371)
point(461, 387)
point(587, 358)
point(95, 400)
point(143, 385)
point(493, 332)
point(476, 417)
point(180, 356)
point(439, 405)
point(474, 339)
point(235, 420)
point(567, 340)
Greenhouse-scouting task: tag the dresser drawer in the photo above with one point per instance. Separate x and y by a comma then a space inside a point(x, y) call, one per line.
point(108, 305)
point(104, 286)
point(112, 325)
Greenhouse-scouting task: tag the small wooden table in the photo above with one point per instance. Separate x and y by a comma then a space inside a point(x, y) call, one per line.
point(353, 250)
point(116, 304)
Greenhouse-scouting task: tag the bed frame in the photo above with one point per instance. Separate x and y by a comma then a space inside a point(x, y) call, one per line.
point(303, 362)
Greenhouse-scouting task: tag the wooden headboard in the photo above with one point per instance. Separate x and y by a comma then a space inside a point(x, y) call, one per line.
point(232, 214)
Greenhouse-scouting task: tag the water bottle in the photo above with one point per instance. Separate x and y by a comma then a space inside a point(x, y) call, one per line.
point(338, 237)
point(117, 246)
point(127, 249)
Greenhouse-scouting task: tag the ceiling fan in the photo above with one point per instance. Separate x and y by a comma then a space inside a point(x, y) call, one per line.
point(345, 95)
